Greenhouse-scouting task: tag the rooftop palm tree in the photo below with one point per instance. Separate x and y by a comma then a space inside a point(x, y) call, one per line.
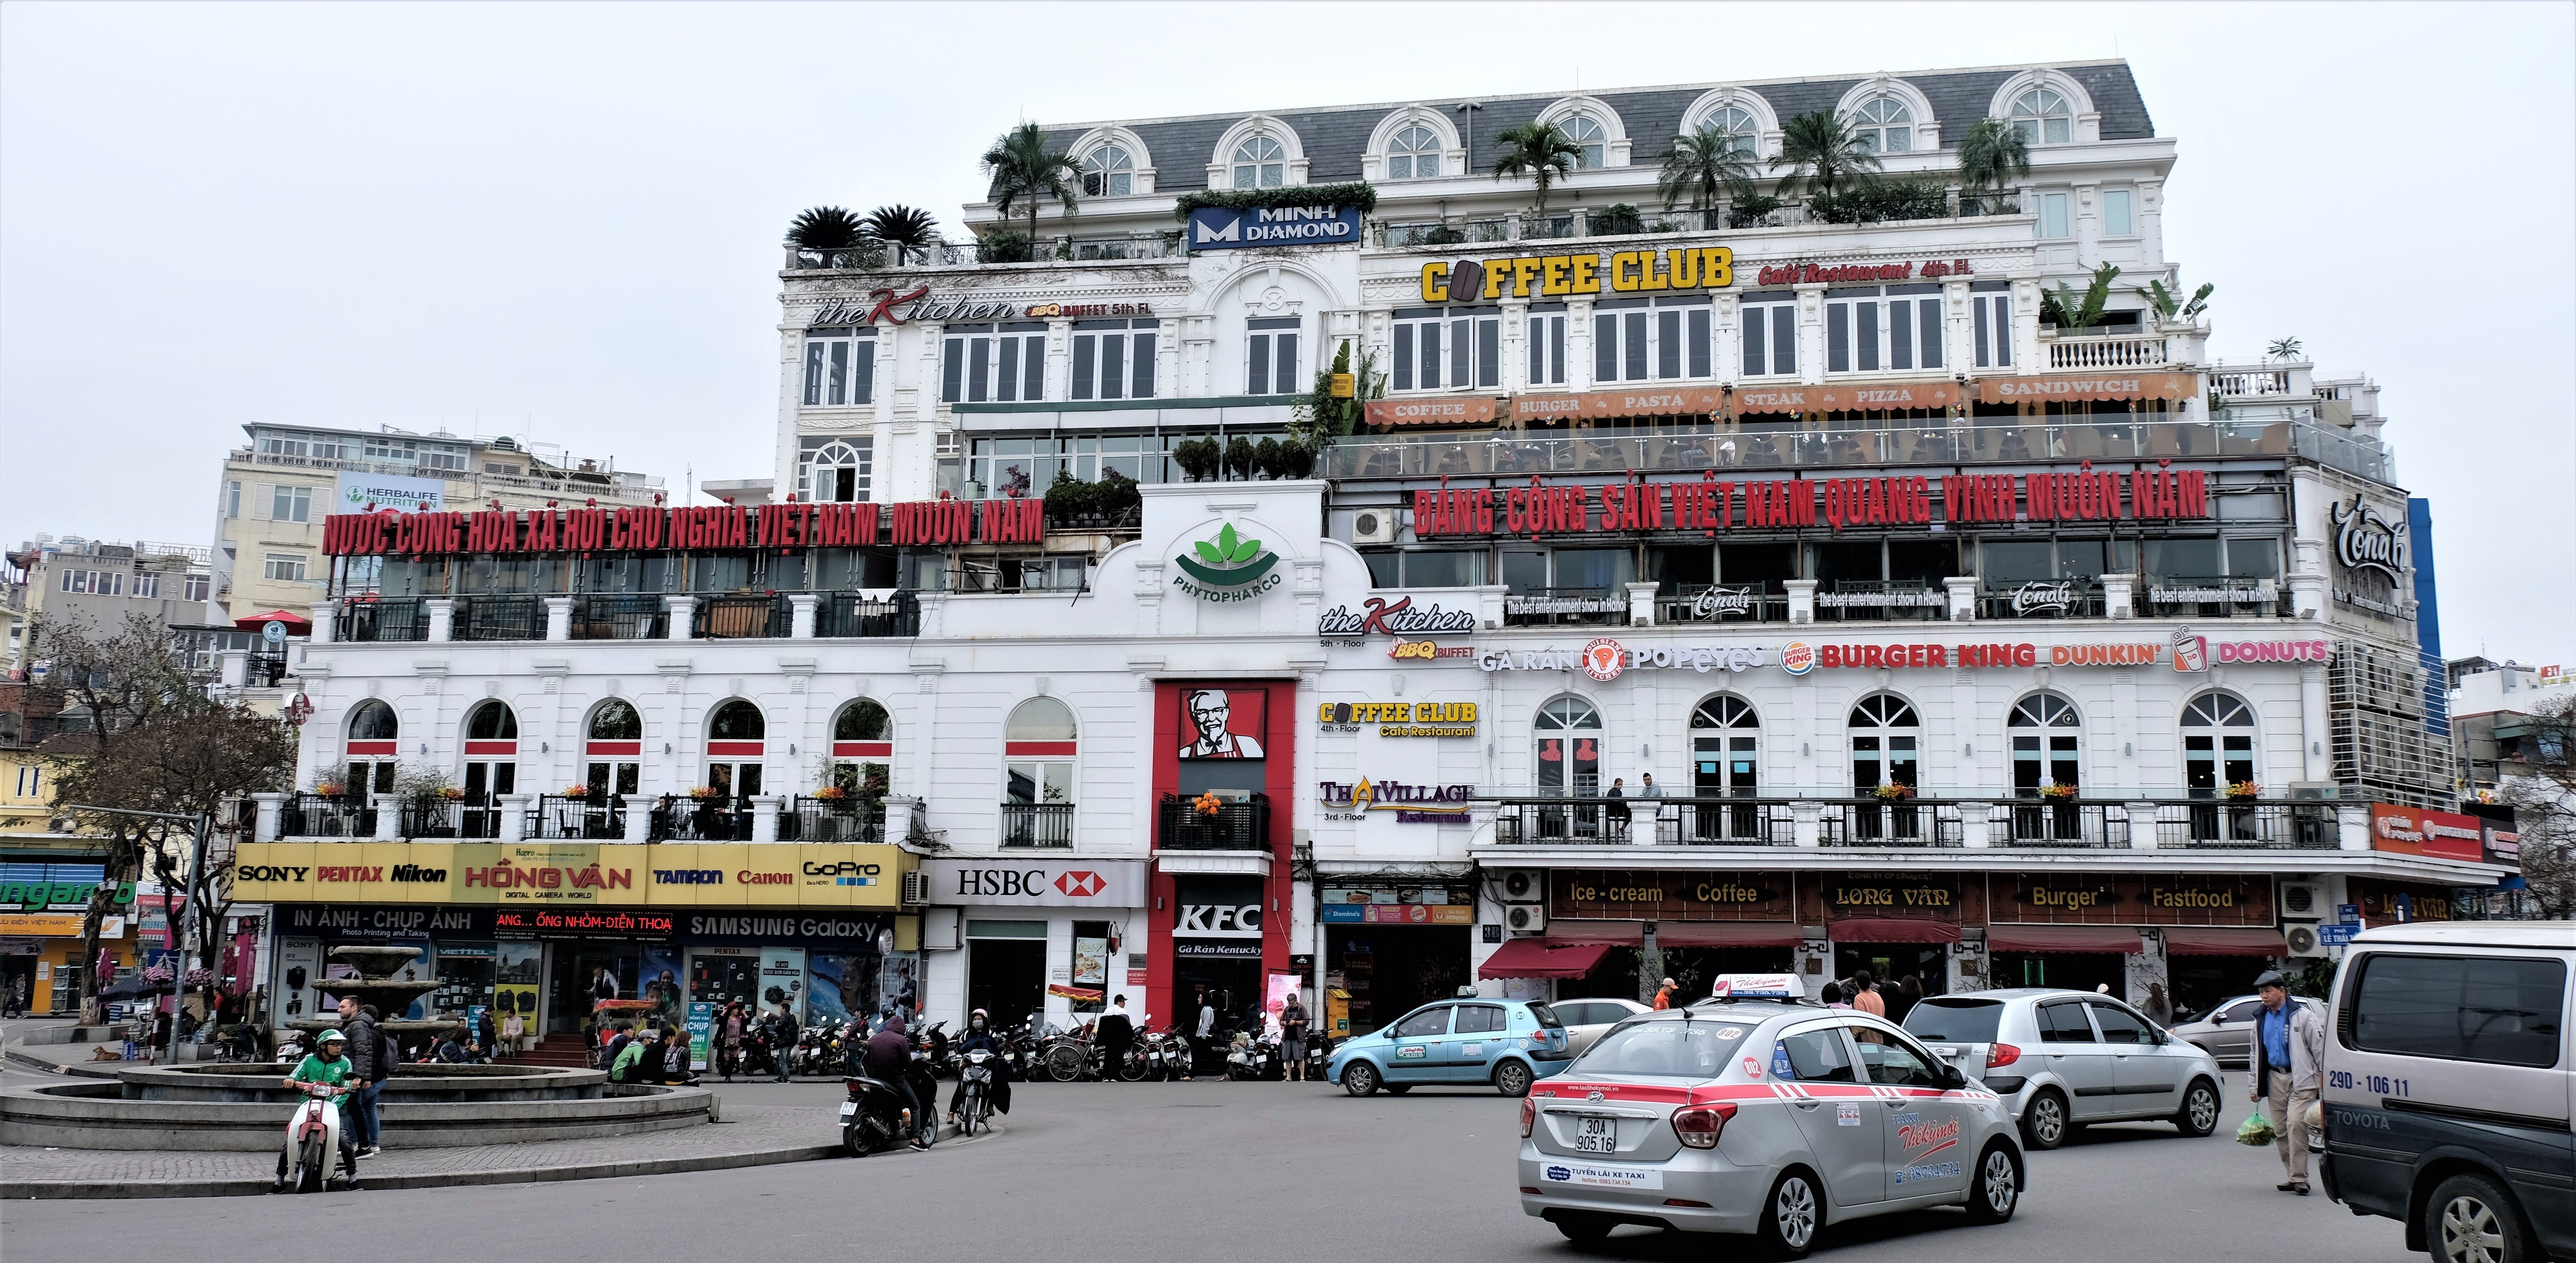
point(1991, 155)
point(1824, 153)
point(827, 231)
point(2284, 349)
point(908, 229)
point(1539, 150)
point(1025, 172)
point(1700, 164)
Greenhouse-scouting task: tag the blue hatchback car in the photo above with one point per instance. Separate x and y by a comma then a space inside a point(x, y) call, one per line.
point(1507, 1043)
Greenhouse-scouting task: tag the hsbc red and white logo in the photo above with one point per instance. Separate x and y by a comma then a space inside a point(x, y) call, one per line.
point(1081, 883)
point(1037, 883)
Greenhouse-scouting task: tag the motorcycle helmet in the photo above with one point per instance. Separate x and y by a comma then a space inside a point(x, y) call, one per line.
point(332, 1037)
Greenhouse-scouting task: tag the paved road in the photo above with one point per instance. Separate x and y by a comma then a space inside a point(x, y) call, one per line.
point(1211, 1170)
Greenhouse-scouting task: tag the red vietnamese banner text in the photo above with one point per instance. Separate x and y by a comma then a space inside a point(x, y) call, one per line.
point(1709, 506)
point(791, 525)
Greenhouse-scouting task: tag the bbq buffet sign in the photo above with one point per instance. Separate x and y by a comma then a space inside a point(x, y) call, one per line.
point(1543, 509)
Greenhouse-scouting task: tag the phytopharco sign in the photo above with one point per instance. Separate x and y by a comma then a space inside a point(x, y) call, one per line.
point(1232, 228)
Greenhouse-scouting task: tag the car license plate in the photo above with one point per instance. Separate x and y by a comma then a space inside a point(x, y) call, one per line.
point(849, 1108)
point(1594, 1134)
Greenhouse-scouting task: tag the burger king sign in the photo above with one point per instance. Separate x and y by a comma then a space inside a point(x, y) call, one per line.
point(1798, 657)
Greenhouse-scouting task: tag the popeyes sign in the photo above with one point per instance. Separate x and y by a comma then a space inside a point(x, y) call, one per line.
point(2435, 834)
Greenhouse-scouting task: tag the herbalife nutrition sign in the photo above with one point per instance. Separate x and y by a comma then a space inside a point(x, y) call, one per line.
point(1231, 228)
point(1229, 567)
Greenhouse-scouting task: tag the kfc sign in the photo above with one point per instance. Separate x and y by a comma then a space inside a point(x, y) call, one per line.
point(1036, 883)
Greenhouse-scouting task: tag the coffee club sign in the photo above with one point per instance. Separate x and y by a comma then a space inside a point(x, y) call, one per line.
point(1543, 509)
point(712, 528)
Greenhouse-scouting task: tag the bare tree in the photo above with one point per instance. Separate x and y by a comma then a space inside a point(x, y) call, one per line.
point(2538, 780)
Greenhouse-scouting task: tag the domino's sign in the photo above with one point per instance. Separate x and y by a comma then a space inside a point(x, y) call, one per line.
point(1227, 228)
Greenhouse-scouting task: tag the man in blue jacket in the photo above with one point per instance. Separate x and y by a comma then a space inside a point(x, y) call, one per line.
point(2289, 1041)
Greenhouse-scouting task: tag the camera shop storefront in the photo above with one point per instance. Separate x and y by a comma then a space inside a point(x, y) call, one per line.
point(1703, 923)
point(1014, 935)
point(1395, 943)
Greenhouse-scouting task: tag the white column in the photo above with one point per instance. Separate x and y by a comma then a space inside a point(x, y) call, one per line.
point(269, 807)
point(681, 608)
point(2025, 330)
point(326, 617)
point(1811, 334)
point(764, 817)
point(2315, 727)
point(558, 618)
point(2088, 224)
point(639, 818)
point(388, 817)
point(233, 667)
point(1958, 328)
point(2119, 594)
point(1975, 828)
point(1803, 814)
point(1802, 600)
point(1059, 366)
point(800, 617)
point(514, 816)
point(2352, 826)
point(1641, 604)
point(1963, 597)
point(2142, 826)
point(1578, 344)
point(442, 619)
point(1728, 319)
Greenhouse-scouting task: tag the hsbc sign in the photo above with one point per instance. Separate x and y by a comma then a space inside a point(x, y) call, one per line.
point(1015, 882)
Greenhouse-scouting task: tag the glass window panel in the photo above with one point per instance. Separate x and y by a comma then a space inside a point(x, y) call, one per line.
point(1489, 352)
point(1404, 356)
point(2081, 558)
point(1439, 570)
point(1113, 363)
point(1634, 332)
point(2254, 558)
point(1258, 377)
point(1386, 569)
point(1699, 326)
point(1141, 382)
point(2116, 218)
point(1838, 337)
point(1524, 572)
point(1865, 335)
point(1900, 334)
point(1605, 347)
point(1753, 344)
point(1462, 349)
point(2194, 558)
point(2016, 561)
point(1668, 344)
point(1928, 312)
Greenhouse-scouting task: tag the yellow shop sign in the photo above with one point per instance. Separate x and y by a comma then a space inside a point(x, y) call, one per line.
point(538, 873)
point(1559, 275)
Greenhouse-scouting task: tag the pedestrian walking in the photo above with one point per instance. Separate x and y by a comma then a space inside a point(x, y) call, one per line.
point(1117, 1034)
point(372, 1054)
point(2289, 1042)
point(1664, 994)
point(1201, 1045)
point(15, 998)
point(782, 1041)
point(1292, 1036)
point(1865, 995)
point(487, 1034)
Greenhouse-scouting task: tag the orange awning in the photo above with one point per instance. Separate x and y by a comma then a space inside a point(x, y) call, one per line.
point(2070, 387)
point(1848, 396)
point(1446, 410)
point(2209, 940)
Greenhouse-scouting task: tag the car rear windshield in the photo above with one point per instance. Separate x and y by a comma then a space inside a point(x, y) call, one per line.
point(1665, 1050)
point(1966, 1021)
point(1545, 1015)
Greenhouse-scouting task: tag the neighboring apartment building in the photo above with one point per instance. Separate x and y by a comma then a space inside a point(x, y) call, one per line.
point(2491, 708)
point(99, 585)
point(276, 490)
point(1956, 643)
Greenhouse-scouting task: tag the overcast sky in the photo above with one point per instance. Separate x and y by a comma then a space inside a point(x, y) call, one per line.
point(563, 222)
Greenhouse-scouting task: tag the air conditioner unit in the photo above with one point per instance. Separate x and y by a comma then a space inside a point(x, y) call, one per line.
point(2303, 941)
point(916, 889)
point(1373, 526)
point(1525, 918)
point(1523, 885)
point(2302, 901)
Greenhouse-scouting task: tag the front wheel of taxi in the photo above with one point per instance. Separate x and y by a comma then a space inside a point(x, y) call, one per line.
point(1790, 1216)
point(1512, 1079)
point(1997, 1192)
point(1359, 1079)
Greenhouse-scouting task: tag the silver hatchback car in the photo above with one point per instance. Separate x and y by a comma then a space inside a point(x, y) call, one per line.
point(1767, 1118)
point(2064, 1059)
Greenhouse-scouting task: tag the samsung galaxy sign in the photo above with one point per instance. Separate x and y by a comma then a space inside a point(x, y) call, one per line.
point(1226, 228)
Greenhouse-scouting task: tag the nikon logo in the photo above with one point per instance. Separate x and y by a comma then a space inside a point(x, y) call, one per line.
point(414, 872)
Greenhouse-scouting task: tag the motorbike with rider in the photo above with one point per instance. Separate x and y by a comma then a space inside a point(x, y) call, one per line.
point(319, 1150)
point(980, 1049)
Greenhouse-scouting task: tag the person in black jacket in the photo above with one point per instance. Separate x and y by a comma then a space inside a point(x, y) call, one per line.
point(888, 1060)
point(371, 1059)
point(487, 1036)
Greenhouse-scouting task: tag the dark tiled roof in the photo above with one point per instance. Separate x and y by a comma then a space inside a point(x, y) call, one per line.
point(1335, 139)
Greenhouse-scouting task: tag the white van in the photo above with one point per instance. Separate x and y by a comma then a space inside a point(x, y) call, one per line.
point(2450, 1085)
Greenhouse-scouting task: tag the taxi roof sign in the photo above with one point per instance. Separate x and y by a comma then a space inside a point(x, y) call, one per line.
point(1757, 987)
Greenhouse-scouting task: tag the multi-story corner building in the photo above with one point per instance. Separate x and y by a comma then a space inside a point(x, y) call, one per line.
point(1956, 644)
point(98, 586)
point(2492, 705)
point(277, 488)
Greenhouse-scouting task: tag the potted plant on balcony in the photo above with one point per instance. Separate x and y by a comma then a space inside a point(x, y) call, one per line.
point(702, 793)
point(1893, 792)
point(1238, 458)
point(576, 792)
point(2243, 791)
point(2057, 791)
point(1198, 458)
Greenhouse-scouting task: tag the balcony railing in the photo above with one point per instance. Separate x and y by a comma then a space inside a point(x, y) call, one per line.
point(2214, 596)
point(2045, 598)
point(600, 819)
point(1659, 821)
point(2107, 351)
point(2250, 383)
point(741, 617)
point(831, 820)
point(1566, 607)
point(2000, 823)
point(368, 618)
point(2066, 823)
point(1236, 825)
point(620, 616)
point(499, 618)
point(1048, 825)
point(861, 614)
point(429, 816)
point(1880, 601)
point(712, 819)
point(2237, 824)
point(326, 816)
point(1880, 822)
point(1751, 602)
point(1937, 443)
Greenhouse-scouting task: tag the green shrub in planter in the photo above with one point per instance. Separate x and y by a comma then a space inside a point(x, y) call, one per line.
point(1266, 454)
point(1238, 457)
point(1197, 458)
point(1617, 219)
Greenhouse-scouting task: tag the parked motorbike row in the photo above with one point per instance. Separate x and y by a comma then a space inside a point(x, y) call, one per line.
point(1167, 1054)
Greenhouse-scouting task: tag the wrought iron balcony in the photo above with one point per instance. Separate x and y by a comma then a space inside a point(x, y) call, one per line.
point(1044, 825)
point(1181, 824)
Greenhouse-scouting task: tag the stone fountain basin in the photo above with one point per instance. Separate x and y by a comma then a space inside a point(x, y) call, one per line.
point(245, 1107)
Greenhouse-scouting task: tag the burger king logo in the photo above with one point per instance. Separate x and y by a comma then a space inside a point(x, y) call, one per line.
point(1798, 658)
point(1603, 660)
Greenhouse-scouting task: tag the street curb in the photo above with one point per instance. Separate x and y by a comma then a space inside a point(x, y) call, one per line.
point(82, 1069)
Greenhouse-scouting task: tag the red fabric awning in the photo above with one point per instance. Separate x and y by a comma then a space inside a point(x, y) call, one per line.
point(2210, 940)
point(1728, 934)
point(256, 621)
point(1893, 930)
point(2062, 938)
point(1542, 958)
point(1609, 933)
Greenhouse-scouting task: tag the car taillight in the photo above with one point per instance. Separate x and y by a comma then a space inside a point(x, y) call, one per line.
point(1699, 1125)
point(1999, 1056)
point(1529, 1115)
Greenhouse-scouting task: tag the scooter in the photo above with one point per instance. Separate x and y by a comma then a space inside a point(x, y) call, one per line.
point(314, 1159)
point(873, 1119)
point(975, 1075)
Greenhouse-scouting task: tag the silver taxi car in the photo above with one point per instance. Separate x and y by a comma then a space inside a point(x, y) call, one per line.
point(1762, 1117)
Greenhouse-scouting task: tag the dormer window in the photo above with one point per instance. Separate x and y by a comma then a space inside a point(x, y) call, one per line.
point(1260, 163)
point(1108, 172)
point(1414, 154)
point(1591, 140)
point(1884, 125)
point(2042, 117)
point(1743, 135)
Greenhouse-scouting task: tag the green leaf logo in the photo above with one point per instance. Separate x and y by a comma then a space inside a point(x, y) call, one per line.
point(1247, 550)
point(1208, 553)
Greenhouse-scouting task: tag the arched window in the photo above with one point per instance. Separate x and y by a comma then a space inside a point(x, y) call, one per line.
point(836, 472)
point(1568, 732)
point(1108, 171)
point(2217, 744)
point(2047, 743)
point(1037, 790)
point(1742, 131)
point(863, 749)
point(491, 768)
point(1260, 162)
point(613, 750)
point(2043, 117)
point(1590, 138)
point(1884, 125)
point(372, 746)
point(1413, 154)
point(1726, 759)
point(736, 742)
point(1886, 735)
